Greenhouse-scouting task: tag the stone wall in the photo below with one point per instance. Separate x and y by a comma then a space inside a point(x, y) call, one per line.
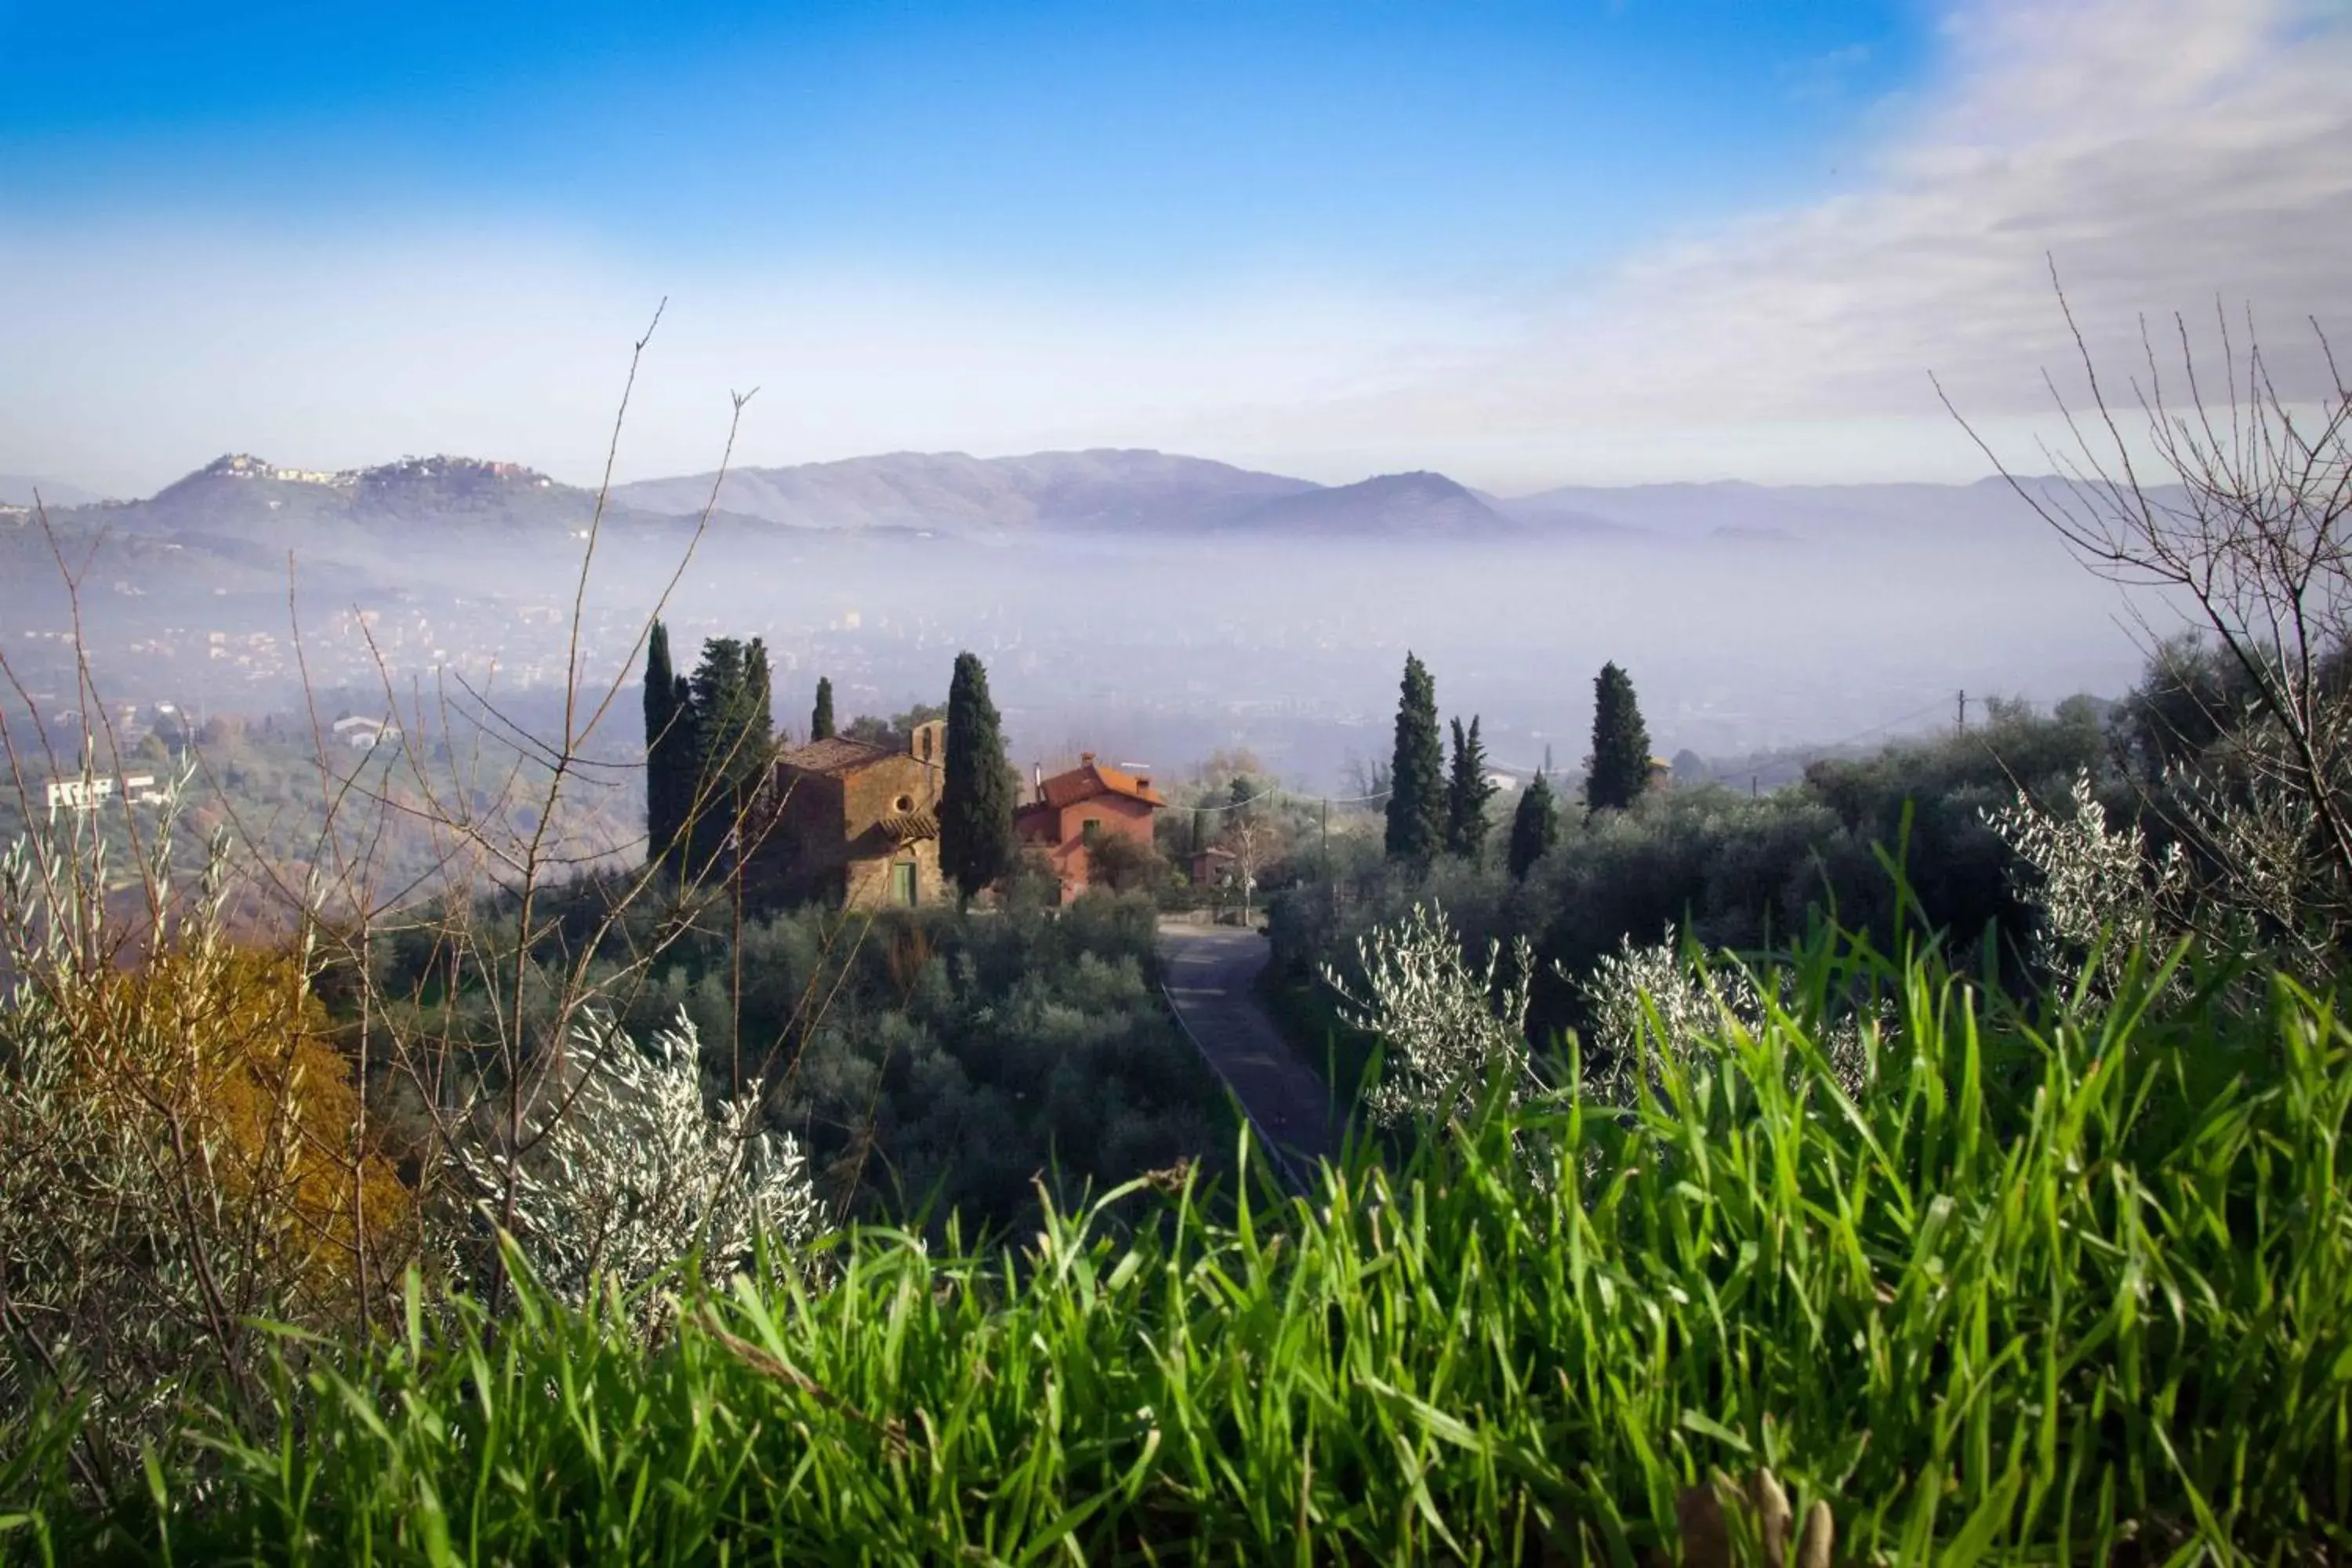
point(826, 841)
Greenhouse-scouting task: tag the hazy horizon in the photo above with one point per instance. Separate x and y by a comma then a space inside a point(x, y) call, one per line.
point(63, 491)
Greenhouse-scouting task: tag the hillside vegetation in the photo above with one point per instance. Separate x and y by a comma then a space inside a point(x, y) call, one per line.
point(2072, 1284)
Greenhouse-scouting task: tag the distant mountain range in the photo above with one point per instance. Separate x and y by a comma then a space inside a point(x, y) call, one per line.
point(1155, 494)
point(242, 510)
point(248, 496)
point(1122, 492)
point(241, 504)
point(1735, 509)
point(1097, 492)
point(1390, 506)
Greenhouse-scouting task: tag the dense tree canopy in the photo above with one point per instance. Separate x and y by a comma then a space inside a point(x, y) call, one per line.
point(895, 732)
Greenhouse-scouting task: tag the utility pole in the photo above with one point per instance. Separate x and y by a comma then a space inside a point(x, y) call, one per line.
point(1964, 712)
point(1329, 876)
point(735, 942)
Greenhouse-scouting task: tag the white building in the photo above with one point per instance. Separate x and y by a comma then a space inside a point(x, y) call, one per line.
point(87, 793)
point(365, 734)
point(79, 794)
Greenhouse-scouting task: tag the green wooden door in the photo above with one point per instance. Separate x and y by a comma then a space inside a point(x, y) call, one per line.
point(902, 884)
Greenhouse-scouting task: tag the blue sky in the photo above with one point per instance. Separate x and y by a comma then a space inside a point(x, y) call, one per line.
point(1326, 236)
point(1466, 138)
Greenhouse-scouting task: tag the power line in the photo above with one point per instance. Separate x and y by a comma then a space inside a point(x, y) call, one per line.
point(1272, 790)
point(1920, 712)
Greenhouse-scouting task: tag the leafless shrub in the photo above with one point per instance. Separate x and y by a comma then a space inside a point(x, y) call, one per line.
point(2232, 499)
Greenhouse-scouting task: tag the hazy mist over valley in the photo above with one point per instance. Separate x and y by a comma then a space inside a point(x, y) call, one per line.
point(1152, 608)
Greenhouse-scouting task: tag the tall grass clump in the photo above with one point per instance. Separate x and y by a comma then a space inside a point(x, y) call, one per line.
point(2064, 1285)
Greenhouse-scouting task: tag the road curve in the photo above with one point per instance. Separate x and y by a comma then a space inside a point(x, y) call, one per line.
point(1211, 973)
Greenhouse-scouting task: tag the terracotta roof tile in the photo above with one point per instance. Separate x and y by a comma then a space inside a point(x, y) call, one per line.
point(911, 826)
point(1092, 779)
point(894, 832)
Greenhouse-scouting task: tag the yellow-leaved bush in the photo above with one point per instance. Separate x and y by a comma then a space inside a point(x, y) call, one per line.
point(233, 1046)
point(184, 1153)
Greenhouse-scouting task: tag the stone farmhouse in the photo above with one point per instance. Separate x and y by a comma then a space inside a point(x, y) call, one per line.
point(1075, 810)
point(853, 824)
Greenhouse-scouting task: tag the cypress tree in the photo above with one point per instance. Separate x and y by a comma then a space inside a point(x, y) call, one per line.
point(1620, 770)
point(1535, 827)
point(715, 693)
point(758, 713)
point(757, 752)
point(682, 767)
point(820, 721)
point(670, 748)
point(976, 790)
point(1416, 824)
point(733, 738)
point(1467, 794)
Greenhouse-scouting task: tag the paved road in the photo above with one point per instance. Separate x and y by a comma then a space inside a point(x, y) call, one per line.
point(1210, 971)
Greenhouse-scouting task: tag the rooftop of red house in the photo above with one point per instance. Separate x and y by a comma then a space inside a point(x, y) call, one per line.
point(1090, 779)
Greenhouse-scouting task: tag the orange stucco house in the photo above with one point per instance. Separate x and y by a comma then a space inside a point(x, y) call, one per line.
point(1075, 809)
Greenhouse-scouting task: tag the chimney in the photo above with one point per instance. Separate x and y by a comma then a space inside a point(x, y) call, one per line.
point(1037, 779)
point(1143, 780)
point(1085, 759)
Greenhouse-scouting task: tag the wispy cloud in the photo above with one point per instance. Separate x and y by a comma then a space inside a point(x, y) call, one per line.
point(2165, 153)
point(1825, 74)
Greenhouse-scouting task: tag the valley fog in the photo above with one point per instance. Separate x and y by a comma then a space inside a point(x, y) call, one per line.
point(1750, 618)
point(1161, 654)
